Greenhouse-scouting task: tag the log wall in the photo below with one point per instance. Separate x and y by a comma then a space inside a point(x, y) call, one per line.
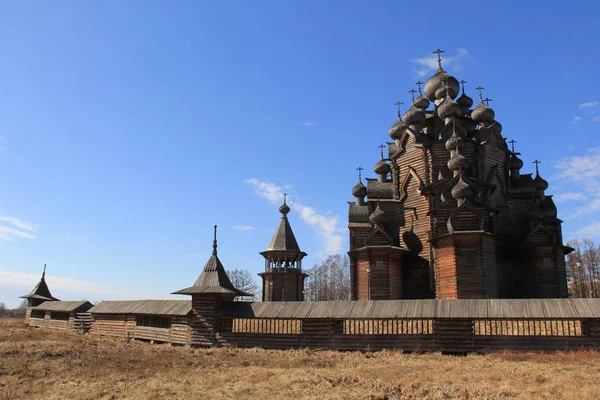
point(125, 326)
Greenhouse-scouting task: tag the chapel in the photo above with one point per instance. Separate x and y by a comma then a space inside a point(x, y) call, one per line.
point(451, 215)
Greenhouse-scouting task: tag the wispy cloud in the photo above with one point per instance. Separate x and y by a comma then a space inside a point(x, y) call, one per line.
point(56, 283)
point(243, 228)
point(3, 141)
point(589, 104)
point(8, 233)
point(19, 224)
point(591, 230)
point(324, 223)
point(426, 65)
point(564, 197)
point(581, 174)
point(309, 123)
point(576, 120)
point(596, 119)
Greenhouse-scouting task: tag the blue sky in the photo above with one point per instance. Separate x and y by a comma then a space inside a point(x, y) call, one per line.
point(127, 129)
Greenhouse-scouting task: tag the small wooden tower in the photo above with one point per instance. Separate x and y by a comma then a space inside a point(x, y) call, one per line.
point(212, 287)
point(38, 295)
point(283, 279)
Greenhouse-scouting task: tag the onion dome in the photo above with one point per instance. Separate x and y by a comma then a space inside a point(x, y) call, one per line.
point(540, 183)
point(421, 102)
point(284, 209)
point(457, 162)
point(359, 190)
point(535, 213)
point(464, 101)
point(377, 216)
point(382, 168)
point(482, 113)
point(397, 129)
point(439, 81)
point(515, 162)
point(461, 190)
point(453, 142)
point(449, 108)
point(414, 116)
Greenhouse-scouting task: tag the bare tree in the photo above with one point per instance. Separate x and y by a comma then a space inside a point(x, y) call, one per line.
point(583, 272)
point(22, 309)
point(329, 280)
point(243, 280)
point(2, 309)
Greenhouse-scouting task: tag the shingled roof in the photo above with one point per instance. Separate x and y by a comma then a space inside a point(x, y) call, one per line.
point(284, 238)
point(213, 279)
point(64, 306)
point(40, 291)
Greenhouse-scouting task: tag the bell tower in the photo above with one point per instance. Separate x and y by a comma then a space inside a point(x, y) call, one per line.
point(283, 279)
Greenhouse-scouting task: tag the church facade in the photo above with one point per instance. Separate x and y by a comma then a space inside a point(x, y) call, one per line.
point(450, 215)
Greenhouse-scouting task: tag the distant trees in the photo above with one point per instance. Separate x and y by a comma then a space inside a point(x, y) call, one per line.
point(15, 312)
point(244, 280)
point(329, 280)
point(583, 269)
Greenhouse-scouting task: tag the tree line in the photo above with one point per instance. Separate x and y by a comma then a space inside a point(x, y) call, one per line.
point(583, 269)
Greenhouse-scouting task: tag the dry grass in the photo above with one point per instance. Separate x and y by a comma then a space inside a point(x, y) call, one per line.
point(42, 364)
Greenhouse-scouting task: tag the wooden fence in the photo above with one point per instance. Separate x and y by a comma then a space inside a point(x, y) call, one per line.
point(452, 326)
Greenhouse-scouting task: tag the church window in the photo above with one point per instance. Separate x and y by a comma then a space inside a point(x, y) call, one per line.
point(469, 257)
point(38, 314)
point(379, 264)
point(547, 262)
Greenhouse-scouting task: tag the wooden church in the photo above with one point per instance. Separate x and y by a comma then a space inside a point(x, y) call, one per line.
point(450, 215)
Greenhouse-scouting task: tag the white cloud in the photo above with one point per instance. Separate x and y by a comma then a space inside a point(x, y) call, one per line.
point(325, 224)
point(590, 104)
point(56, 283)
point(426, 65)
point(19, 224)
point(582, 176)
point(596, 119)
point(243, 228)
point(563, 197)
point(309, 123)
point(591, 230)
point(9, 234)
point(576, 120)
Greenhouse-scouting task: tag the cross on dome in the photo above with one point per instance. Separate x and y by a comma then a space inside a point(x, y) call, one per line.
point(463, 85)
point(412, 92)
point(479, 88)
point(439, 56)
point(536, 162)
point(381, 147)
point(360, 169)
point(398, 103)
point(512, 144)
point(487, 101)
point(419, 83)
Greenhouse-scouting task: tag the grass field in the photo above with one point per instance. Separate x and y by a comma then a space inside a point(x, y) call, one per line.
point(42, 364)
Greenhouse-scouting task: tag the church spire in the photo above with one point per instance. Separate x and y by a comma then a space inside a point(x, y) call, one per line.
point(213, 280)
point(40, 292)
point(214, 252)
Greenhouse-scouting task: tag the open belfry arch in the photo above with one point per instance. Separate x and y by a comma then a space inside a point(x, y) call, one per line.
point(450, 215)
